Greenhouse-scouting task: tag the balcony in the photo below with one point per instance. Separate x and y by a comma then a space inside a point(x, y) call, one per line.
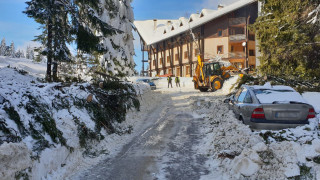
point(237, 37)
point(237, 55)
point(241, 21)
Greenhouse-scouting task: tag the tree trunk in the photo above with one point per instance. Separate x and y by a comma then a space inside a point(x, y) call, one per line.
point(49, 48)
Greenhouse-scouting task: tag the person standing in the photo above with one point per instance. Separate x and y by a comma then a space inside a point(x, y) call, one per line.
point(177, 80)
point(169, 81)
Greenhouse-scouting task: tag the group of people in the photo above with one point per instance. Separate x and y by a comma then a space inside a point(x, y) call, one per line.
point(177, 81)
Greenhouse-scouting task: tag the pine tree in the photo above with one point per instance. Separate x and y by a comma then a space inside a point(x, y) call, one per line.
point(22, 54)
point(118, 60)
point(28, 52)
point(42, 12)
point(12, 51)
point(3, 47)
point(288, 43)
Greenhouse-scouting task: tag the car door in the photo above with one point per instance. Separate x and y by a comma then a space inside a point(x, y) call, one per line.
point(238, 100)
point(241, 105)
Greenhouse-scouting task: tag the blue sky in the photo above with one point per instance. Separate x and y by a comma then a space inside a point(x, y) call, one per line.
point(17, 27)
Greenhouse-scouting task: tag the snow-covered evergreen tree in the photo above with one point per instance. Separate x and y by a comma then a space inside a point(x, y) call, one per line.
point(12, 51)
point(28, 52)
point(22, 54)
point(118, 60)
point(3, 47)
point(315, 15)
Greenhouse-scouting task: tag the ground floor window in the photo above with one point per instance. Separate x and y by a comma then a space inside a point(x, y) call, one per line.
point(178, 71)
point(187, 71)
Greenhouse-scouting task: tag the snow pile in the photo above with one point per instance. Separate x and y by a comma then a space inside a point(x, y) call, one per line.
point(14, 157)
point(47, 127)
point(38, 69)
point(239, 153)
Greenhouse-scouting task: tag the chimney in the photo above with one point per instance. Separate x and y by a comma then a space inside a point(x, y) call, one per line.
point(155, 24)
point(220, 6)
point(169, 23)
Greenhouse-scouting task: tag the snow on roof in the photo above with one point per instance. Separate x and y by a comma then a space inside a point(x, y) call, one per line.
point(152, 35)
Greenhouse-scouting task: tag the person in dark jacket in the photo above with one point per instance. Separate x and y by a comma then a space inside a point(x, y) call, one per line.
point(169, 81)
point(177, 80)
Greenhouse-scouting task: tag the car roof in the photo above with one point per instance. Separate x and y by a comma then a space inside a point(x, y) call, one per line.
point(276, 94)
point(268, 86)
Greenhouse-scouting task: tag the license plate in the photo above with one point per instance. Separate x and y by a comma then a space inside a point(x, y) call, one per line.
point(286, 114)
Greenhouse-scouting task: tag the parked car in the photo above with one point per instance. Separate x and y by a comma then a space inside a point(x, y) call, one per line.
point(270, 107)
point(150, 82)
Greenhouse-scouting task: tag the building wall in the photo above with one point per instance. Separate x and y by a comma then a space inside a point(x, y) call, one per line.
point(211, 47)
point(215, 33)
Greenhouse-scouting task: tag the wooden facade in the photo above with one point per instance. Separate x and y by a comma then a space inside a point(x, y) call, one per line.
point(227, 37)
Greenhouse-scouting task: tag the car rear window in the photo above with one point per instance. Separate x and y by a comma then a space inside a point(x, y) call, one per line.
point(277, 95)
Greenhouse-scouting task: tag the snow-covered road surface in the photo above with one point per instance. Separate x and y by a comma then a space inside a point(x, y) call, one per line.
point(163, 150)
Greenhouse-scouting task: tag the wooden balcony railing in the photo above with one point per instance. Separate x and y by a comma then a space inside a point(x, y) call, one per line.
point(237, 37)
point(237, 55)
point(237, 21)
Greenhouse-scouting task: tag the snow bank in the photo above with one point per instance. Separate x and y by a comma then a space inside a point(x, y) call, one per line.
point(14, 157)
point(38, 69)
point(53, 160)
point(236, 152)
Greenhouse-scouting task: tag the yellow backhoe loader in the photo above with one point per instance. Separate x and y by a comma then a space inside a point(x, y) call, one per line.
point(210, 75)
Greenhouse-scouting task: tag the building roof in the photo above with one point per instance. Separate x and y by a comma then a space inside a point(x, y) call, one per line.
point(168, 28)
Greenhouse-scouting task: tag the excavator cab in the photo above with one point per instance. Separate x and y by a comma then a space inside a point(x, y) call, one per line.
point(212, 69)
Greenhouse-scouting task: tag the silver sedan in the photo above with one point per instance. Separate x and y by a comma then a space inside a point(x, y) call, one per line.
point(270, 107)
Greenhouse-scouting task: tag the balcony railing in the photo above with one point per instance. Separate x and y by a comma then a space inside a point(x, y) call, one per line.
point(237, 37)
point(237, 21)
point(237, 55)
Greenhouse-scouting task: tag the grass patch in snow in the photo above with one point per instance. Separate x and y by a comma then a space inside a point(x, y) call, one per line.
point(269, 136)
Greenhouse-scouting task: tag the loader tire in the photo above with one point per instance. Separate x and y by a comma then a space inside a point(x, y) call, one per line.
point(216, 84)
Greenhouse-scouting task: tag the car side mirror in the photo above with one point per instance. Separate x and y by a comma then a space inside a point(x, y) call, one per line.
point(227, 100)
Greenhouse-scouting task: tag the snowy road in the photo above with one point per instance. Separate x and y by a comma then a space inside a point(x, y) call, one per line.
point(163, 150)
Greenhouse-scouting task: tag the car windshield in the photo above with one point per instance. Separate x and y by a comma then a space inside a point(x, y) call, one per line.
point(143, 80)
point(268, 91)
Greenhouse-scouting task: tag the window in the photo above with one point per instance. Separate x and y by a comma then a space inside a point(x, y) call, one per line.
point(190, 20)
point(248, 98)
point(186, 54)
point(187, 70)
point(232, 48)
point(242, 95)
point(178, 71)
point(168, 59)
point(176, 58)
point(219, 49)
point(161, 59)
point(252, 37)
point(251, 52)
point(172, 28)
point(164, 32)
point(201, 15)
point(220, 32)
point(181, 24)
point(196, 52)
point(232, 31)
